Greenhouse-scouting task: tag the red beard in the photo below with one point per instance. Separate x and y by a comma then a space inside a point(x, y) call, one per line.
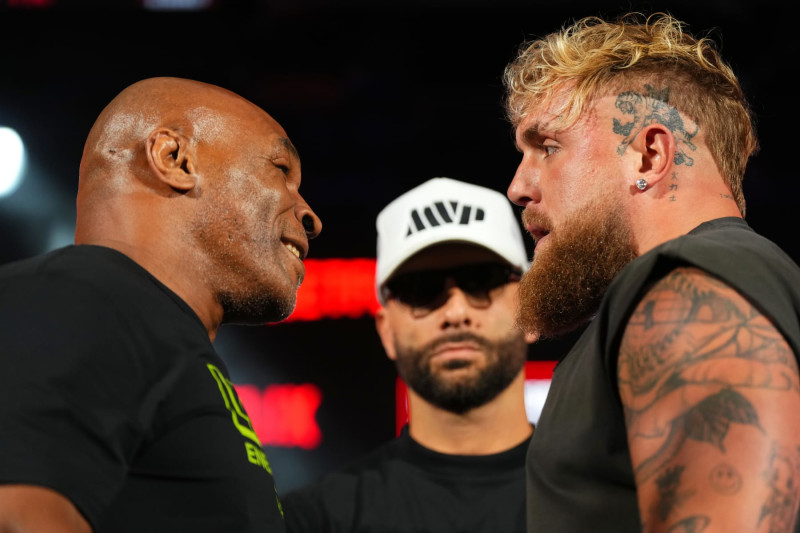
point(565, 284)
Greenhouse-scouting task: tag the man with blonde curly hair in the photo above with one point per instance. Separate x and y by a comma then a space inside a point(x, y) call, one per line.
point(678, 408)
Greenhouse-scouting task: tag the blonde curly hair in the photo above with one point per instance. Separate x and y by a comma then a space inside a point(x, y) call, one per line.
point(593, 57)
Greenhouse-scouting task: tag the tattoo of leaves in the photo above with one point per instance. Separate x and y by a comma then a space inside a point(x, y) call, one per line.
point(708, 421)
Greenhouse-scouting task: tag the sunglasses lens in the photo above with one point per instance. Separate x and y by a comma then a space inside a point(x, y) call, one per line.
point(477, 281)
point(427, 288)
point(417, 289)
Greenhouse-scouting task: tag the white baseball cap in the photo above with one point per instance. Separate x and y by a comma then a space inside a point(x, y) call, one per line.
point(446, 210)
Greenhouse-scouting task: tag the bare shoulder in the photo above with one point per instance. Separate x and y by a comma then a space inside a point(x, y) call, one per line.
point(27, 508)
point(711, 395)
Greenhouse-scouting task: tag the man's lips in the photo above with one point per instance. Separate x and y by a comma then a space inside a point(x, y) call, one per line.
point(455, 350)
point(538, 233)
point(536, 223)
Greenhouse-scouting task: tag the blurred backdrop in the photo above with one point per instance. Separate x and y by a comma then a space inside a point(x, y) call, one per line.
point(378, 96)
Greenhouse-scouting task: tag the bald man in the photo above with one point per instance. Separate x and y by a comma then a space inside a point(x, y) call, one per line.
point(116, 413)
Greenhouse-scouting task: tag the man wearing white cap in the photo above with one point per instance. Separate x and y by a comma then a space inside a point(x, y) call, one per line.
point(449, 257)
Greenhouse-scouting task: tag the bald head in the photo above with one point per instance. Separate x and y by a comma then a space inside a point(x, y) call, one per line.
point(117, 157)
point(154, 102)
point(193, 181)
point(197, 110)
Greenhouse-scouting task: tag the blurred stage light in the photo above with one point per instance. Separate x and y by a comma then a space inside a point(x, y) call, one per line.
point(31, 4)
point(283, 414)
point(12, 161)
point(336, 288)
point(177, 5)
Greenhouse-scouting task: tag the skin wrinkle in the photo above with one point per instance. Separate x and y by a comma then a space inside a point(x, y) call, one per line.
point(116, 141)
point(253, 243)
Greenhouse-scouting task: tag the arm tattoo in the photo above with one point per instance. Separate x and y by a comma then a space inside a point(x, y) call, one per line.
point(692, 355)
point(693, 524)
point(783, 478)
point(668, 495)
point(653, 108)
point(725, 479)
point(709, 421)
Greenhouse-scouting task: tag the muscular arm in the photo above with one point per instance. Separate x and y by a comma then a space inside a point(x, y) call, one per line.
point(28, 509)
point(712, 404)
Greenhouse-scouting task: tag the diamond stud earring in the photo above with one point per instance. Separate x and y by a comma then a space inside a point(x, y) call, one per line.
point(641, 184)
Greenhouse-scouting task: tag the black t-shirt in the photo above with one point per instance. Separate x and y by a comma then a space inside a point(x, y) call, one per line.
point(579, 473)
point(403, 487)
point(111, 394)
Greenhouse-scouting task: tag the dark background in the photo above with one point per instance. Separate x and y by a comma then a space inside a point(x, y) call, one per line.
point(378, 97)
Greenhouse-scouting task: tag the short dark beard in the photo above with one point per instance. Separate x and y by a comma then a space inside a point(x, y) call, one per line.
point(505, 359)
point(255, 309)
point(565, 285)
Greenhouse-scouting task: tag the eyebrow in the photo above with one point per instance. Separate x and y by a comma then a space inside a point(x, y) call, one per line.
point(289, 146)
point(529, 135)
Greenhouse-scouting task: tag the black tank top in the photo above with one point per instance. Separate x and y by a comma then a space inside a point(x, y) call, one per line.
point(579, 474)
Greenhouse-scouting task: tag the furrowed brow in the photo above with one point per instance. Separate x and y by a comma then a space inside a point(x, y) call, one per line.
point(290, 147)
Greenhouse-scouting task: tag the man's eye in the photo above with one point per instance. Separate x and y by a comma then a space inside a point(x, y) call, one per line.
point(283, 168)
point(548, 149)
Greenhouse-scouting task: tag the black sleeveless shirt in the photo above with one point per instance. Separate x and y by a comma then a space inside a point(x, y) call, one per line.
point(579, 473)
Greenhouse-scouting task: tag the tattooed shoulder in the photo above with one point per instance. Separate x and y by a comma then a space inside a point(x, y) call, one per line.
point(700, 371)
point(690, 320)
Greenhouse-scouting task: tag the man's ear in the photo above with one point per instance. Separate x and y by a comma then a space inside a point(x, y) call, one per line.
point(385, 332)
point(654, 147)
point(169, 156)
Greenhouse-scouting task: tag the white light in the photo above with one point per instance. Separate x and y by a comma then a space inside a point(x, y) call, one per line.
point(535, 395)
point(12, 161)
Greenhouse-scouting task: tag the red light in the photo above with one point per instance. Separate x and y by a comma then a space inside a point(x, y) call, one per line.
point(336, 288)
point(400, 404)
point(31, 4)
point(539, 369)
point(283, 415)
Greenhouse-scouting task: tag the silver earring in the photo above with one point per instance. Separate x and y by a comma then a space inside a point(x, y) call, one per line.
point(641, 184)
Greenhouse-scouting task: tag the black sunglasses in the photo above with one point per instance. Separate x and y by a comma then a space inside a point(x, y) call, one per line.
point(427, 288)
